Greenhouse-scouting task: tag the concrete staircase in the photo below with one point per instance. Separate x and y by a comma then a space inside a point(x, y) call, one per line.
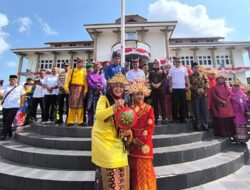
point(53, 157)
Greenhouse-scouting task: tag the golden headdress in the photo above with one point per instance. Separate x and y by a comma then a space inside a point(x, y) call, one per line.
point(202, 69)
point(213, 71)
point(247, 88)
point(119, 78)
point(237, 82)
point(221, 75)
point(140, 86)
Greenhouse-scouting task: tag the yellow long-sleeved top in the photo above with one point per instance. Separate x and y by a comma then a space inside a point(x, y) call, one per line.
point(107, 148)
point(79, 78)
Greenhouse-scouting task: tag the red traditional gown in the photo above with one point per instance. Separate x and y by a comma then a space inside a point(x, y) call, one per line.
point(222, 114)
point(142, 175)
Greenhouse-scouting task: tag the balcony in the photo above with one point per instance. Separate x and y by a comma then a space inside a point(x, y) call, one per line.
point(134, 48)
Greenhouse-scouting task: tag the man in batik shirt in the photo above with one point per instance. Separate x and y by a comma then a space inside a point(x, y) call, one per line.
point(199, 86)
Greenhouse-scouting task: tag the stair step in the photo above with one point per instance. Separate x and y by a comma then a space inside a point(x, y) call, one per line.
point(17, 176)
point(190, 174)
point(238, 180)
point(76, 131)
point(189, 152)
point(172, 177)
point(50, 158)
point(81, 160)
point(77, 143)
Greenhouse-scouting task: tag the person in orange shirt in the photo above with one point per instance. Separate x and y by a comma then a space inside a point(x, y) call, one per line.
point(76, 86)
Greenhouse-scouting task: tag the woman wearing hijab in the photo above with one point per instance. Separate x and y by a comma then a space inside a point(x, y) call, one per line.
point(108, 152)
point(240, 108)
point(221, 107)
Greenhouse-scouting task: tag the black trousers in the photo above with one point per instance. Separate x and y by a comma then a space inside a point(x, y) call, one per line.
point(50, 107)
point(158, 95)
point(8, 117)
point(200, 110)
point(62, 98)
point(35, 103)
point(179, 104)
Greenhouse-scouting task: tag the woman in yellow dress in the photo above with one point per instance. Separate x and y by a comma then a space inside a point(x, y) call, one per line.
point(108, 152)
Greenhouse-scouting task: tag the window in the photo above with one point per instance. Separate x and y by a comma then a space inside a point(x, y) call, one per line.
point(131, 36)
point(204, 60)
point(187, 60)
point(46, 64)
point(222, 60)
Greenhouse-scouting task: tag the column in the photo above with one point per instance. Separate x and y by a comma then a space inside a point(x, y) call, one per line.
point(177, 52)
point(71, 53)
point(213, 56)
point(55, 58)
point(20, 66)
point(95, 36)
point(118, 34)
point(142, 34)
point(195, 49)
point(248, 51)
point(167, 35)
point(89, 58)
point(232, 59)
point(38, 54)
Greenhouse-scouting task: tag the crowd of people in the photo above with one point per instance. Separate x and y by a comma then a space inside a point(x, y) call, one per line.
point(165, 92)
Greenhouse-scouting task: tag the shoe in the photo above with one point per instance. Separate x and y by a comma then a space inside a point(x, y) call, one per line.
point(81, 124)
point(69, 124)
point(205, 129)
point(3, 137)
point(183, 121)
point(156, 121)
point(25, 124)
point(59, 122)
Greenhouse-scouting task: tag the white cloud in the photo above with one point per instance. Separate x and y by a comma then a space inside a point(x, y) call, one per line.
point(4, 21)
point(25, 23)
point(45, 27)
point(193, 21)
point(11, 64)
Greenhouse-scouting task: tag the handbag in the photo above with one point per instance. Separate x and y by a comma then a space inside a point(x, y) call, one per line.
point(8, 94)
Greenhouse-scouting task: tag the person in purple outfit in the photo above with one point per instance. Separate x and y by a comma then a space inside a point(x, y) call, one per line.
point(95, 84)
point(240, 108)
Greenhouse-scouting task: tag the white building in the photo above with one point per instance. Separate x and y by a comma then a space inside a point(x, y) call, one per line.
point(150, 40)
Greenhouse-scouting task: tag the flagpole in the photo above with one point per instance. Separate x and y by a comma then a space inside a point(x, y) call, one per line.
point(122, 32)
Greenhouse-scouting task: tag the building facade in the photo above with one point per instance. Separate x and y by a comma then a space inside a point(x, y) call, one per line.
point(149, 40)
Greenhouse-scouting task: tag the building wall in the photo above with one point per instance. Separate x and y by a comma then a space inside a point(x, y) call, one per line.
point(156, 40)
point(48, 59)
point(105, 41)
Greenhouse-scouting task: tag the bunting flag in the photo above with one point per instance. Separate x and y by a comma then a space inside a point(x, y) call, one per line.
point(232, 70)
point(130, 52)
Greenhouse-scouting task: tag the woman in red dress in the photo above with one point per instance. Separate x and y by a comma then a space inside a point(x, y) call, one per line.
point(142, 175)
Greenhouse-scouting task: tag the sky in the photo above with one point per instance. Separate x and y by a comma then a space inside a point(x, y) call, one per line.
point(29, 23)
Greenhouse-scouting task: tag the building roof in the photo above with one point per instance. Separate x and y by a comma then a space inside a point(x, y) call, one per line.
point(69, 42)
point(132, 19)
point(49, 49)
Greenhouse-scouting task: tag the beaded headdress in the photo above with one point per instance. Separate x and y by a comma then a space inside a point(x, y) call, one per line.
point(140, 86)
point(118, 78)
